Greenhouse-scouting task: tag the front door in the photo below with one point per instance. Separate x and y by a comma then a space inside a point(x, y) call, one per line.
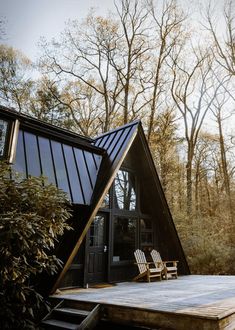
point(97, 250)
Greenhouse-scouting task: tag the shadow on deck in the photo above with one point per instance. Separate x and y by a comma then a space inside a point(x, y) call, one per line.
point(192, 302)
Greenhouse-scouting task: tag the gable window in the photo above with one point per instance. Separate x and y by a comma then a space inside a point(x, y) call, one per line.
point(125, 191)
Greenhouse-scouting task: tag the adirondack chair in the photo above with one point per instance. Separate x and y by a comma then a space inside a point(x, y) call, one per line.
point(170, 267)
point(146, 272)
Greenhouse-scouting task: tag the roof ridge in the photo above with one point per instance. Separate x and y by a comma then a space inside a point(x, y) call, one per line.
point(137, 121)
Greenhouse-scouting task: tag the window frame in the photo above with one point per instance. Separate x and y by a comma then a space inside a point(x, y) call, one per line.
point(131, 214)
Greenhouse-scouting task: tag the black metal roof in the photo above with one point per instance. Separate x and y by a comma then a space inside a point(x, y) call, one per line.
point(78, 165)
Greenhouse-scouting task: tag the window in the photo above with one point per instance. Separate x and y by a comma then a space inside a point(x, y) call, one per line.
point(105, 202)
point(4, 128)
point(146, 234)
point(124, 238)
point(97, 231)
point(124, 191)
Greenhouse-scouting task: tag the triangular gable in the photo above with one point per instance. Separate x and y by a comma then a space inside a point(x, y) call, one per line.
point(117, 144)
point(168, 240)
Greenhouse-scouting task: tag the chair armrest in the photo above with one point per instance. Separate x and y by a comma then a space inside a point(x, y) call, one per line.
point(144, 263)
point(171, 262)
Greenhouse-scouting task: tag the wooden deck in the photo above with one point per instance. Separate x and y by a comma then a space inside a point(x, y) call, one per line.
point(191, 302)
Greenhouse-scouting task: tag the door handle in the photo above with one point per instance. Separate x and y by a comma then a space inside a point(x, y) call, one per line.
point(105, 248)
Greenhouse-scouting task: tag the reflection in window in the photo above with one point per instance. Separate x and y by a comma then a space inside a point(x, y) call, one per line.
point(124, 238)
point(3, 136)
point(97, 231)
point(125, 195)
point(145, 224)
point(105, 202)
point(146, 234)
point(146, 238)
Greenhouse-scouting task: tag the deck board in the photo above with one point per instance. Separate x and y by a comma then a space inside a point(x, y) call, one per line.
point(200, 297)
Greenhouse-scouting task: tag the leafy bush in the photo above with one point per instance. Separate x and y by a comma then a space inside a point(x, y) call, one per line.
point(207, 243)
point(32, 216)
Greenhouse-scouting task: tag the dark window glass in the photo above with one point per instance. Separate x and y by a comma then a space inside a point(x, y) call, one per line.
point(146, 234)
point(4, 127)
point(105, 202)
point(20, 165)
point(146, 238)
point(124, 238)
point(124, 191)
point(46, 159)
point(145, 224)
point(97, 231)
point(32, 155)
point(61, 175)
point(73, 175)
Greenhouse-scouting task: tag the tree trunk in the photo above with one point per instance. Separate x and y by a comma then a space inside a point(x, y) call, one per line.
point(225, 167)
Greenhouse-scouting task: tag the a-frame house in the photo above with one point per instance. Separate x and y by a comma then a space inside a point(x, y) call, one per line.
point(117, 199)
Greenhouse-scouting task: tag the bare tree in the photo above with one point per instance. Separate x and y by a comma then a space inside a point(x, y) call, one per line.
point(133, 47)
point(220, 102)
point(190, 87)
point(83, 56)
point(224, 44)
point(15, 83)
point(168, 31)
point(106, 55)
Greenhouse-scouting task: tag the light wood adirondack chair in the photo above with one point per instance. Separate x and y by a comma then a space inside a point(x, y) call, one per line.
point(170, 267)
point(145, 272)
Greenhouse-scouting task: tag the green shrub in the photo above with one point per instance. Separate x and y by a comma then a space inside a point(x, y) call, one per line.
point(32, 217)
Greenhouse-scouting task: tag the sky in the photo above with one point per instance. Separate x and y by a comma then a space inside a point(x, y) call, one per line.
point(27, 20)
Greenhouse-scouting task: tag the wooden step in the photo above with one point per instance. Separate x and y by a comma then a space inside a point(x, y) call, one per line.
point(72, 311)
point(56, 324)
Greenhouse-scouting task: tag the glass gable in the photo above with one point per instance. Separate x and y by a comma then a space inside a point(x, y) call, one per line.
point(125, 191)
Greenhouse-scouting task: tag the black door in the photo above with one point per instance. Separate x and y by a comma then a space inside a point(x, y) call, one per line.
point(97, 250)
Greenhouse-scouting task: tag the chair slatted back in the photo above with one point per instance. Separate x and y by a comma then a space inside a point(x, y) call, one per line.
point(156, 257)
point(140, 260)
